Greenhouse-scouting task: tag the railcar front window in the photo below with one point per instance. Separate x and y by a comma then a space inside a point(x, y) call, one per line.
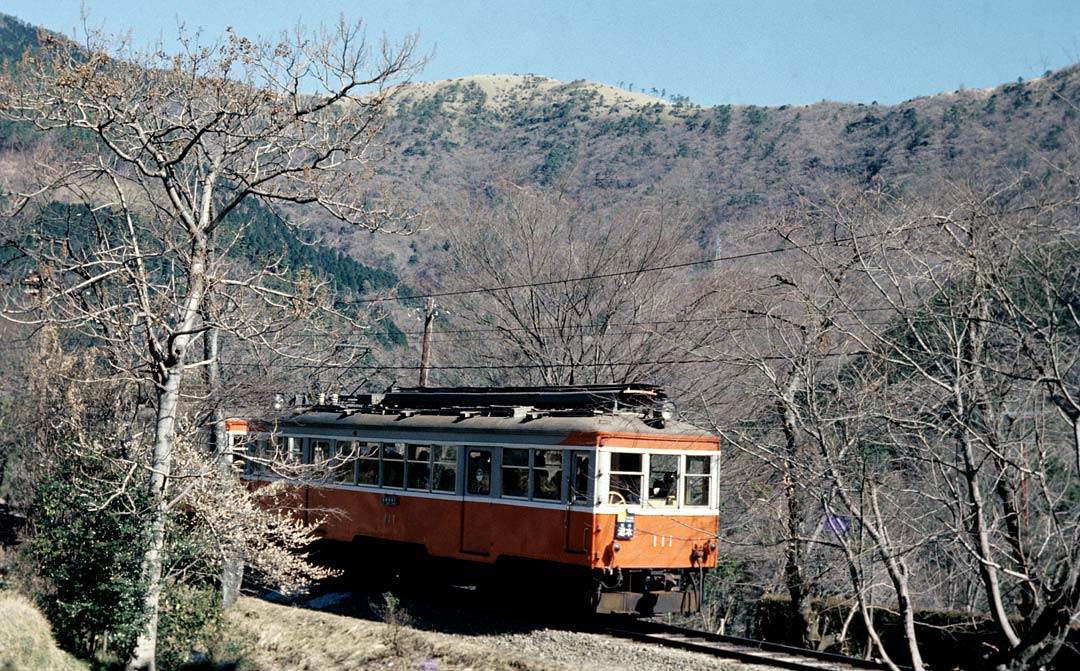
point(393, 465)
point(367, 471)
point(420, 467)
point(444, 471)
point(698, 481)
point(547, 475)
point(626, 477)
point(663, 476)
point(515, 473)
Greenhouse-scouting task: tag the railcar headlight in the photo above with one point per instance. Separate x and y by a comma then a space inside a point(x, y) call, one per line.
point(615, 546)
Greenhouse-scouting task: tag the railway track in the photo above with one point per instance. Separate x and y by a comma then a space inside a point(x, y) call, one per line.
point(730, 647)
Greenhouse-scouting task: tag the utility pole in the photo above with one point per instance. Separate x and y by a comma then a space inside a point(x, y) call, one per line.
point(425, 352)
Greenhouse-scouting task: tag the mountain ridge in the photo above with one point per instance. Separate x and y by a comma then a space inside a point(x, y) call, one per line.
point(452, 141)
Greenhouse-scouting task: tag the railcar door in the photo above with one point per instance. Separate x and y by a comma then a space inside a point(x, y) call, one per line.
point(476, 506)
point(578, 523)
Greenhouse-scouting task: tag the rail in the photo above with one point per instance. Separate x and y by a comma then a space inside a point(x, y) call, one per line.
point(732, 647)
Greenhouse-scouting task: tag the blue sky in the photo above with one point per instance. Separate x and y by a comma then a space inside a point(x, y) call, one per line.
point(763, 52)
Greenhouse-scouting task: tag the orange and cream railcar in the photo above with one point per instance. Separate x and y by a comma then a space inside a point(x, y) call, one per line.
point(591, 484)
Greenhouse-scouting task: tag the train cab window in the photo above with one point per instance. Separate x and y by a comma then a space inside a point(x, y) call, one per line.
point(343, 462)
point(515, 472)
point(367, 464)
point(698, 481)
point(419, 467)
point(393, 465)
point(478, 472)
point(444, 469)
point(626, 477)
point(663, 474)
point(547, 475)
point(581, 484)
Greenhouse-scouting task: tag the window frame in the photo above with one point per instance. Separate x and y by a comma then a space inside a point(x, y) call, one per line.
point(707, 476)
point(411, 463)
point(671, 497)
point(535, 472)
point(523, 473)
point(383, 464)
point(612, 473)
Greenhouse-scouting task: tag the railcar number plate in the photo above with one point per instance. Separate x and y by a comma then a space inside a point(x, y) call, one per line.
point(624, 529)
point(389, 499)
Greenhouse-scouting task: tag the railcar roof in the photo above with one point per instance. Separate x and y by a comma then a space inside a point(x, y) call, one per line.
point(464, 423)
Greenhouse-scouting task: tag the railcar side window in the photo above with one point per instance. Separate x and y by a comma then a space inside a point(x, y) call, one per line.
point(343, 462)
point(663, 474)
point(515, 472)
point(238, 448)
point(295, 450)
point(273, 452)
point(580, 485)
point(393, 465)
point(259, 453)
point(626, 477)
point(444, 472)
point(420, 467)
point(367, 472)
point(320, 458)
point(478, 472)
point(698, 481)
point(547, 475)
point(320, 452)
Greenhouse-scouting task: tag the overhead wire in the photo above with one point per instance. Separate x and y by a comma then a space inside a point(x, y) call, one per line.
point(610, 364)
point(637, 271)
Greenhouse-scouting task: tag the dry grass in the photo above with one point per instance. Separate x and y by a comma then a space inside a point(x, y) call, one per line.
point(287, 638)
point(26, 640)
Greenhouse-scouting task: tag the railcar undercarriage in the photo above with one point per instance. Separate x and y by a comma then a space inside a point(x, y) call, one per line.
point(646, 592)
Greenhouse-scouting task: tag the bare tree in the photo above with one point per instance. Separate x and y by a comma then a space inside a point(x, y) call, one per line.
point(161, 149)
point(588, 295)
point(972, 399)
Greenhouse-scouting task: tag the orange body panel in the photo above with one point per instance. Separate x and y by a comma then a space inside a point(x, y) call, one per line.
point(659, 541)
point(483, 531)
point(637, 440)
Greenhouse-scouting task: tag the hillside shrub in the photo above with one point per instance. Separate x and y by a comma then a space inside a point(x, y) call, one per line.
point(89, 552)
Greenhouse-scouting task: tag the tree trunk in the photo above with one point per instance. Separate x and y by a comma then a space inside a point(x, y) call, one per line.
point(801, 608)
point(168, 380)
point(143, 658)
point(232, 566)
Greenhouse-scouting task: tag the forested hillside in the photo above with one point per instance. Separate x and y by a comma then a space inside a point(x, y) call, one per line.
point(730, 160)
point(612, 150)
